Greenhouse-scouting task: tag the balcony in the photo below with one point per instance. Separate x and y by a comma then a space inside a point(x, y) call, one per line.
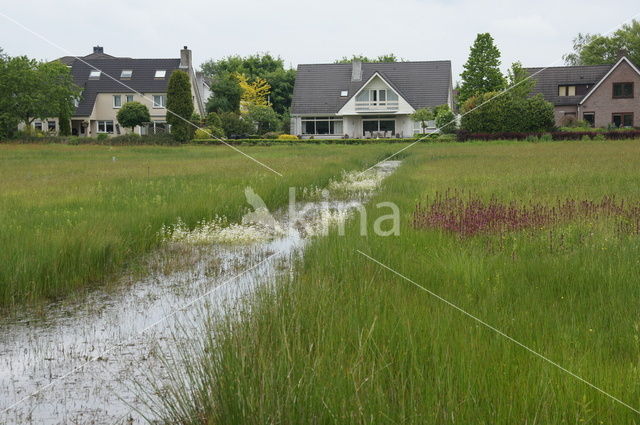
point(377, 106)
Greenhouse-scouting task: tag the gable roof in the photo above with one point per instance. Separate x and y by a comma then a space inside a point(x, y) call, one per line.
point(622, 59)
point(548, 80)
point(69, 60)
point(317, 87)
point(143, 79)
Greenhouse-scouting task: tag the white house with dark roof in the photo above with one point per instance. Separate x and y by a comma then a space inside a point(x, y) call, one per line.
point(368, 100)
point(108, 82)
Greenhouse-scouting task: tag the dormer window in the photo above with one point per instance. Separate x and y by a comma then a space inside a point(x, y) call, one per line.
point(94, 75)
point(160, 73)
point(566, 91)
point(126, 74)
point(344, 93)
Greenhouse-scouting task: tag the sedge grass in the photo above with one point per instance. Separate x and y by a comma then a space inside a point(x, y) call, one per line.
point(346, 342)
point(70, 216)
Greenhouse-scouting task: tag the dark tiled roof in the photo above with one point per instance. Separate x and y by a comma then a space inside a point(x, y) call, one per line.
point(69, 60)
point(317, 88)
point(143, 79)
point(549, 79)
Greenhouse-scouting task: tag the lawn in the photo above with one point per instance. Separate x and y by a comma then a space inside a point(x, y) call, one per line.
point(72, 216)
point(346, 341)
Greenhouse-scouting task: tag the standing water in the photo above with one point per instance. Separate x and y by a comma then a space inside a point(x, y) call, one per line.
point(79, 364)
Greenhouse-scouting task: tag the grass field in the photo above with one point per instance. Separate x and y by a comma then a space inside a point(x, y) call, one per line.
point(346, 341)
point(70, 216)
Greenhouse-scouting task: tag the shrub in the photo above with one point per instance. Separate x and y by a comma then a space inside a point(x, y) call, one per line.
point(271, 135)
point(132, 114)
point(235, 126)
point(208, 133)
point(546, 137)
point(180, 103)
point(599, 137)
point(445, 119)
point(213, 120)
point(287, 137)
point(102, 136)
point(586, 138)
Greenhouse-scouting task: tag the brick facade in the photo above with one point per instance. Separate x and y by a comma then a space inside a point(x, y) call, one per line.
point(604, 105)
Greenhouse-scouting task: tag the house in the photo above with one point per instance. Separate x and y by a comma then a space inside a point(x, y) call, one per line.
point(367, 99)
point(602, 95)
point(109, 82)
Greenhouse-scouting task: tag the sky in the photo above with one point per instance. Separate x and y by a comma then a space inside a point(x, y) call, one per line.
point(299, 31)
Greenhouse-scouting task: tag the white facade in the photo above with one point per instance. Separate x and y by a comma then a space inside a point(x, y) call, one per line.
point(376, 110)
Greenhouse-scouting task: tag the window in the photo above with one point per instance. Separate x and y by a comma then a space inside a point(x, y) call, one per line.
point(159, 101)
point(623, 90)
point(160, 73)
point(117, 101)
point(126, 74)
point(590, 117)
point(566, 90)
point(105, 126)
point(344, 93)
point(94, 75)
point(38, 126)
point(51, 125)
point(375, 125)
point(129, 98)
point(623, 119)
point(322, 125)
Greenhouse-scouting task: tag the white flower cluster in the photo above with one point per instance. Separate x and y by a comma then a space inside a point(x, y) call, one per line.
point(220, 231)
point(355, 181)
point(320, 223)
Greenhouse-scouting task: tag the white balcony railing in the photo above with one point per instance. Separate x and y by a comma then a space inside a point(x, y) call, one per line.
point(369, 106)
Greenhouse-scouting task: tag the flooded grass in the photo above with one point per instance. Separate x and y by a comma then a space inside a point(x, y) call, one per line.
point(343, 341)
point(71, 217)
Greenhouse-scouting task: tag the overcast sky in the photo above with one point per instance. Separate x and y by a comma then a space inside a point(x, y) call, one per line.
point(537, 33)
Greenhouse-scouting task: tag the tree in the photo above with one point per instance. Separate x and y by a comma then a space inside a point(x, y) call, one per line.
point(253, 94)
point(132, 114)
point(264, 118)
point(422, 116)
point(445, 119)
point(482, 71)
point(235, 125)
point(389, 57)
point(180, 106)
point(32, 89)
point(226, 91)
point(596, 49)
point(519, 82)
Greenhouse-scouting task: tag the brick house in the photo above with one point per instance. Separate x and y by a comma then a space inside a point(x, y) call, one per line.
point(602, 95)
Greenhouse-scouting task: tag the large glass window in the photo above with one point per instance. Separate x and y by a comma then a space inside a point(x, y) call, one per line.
point(377, 125)
point(105, 126)
point(623, 90)
point(624, 119)
point(322, 126)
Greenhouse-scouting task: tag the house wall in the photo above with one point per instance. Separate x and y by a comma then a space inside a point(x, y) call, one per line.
point(376, 83)
point(560, 112)
point(103, 110)
point(601, 101)
point(352, 126)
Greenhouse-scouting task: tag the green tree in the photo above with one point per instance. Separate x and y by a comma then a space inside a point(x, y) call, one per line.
point(235, 125)
point(389, 57)
point(518, 81)
point(264, 118)
point(132, 114)
point(32, 89)
point(180, 106)
point(482, 71)
point(596, 49)
point(445, 119)
point(225, 94)
point(422, 116)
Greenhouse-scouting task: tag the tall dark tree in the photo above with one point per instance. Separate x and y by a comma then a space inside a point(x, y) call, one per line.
point(226, 94)
point(180, 106)
point(595, 49)
point(482, 71)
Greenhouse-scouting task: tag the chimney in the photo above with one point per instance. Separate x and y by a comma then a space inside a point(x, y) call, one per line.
point(98, 49)
point(185, 58)
point(356, 70)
